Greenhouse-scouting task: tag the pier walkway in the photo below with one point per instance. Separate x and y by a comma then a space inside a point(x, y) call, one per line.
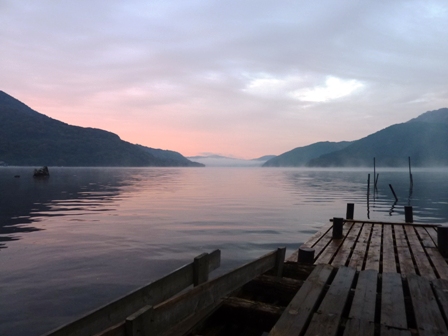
point(376, 278)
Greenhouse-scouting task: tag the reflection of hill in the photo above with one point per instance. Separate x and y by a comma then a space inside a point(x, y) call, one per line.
point(24, 200)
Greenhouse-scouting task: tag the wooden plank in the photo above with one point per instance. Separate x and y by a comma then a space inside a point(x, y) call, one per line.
point(438, 261)
point(328, 317)
point(389, 264)
point(428, 316)
point(425, 238)
point(341, 258)
point(360, 251)
point(393, 310)
point(404, 254)
point(318, 235)
point(391, 223)
point(374, 252)
point(440, 287)
point(330, 251)
point(199, 299)
point(243, 307)
point(421, 260)
point(312, 241)
point(117, 311)
point(362, 312)
point(298, 313)
point(436, 258)
point(388, 331)
point(116, 330)
point(433, 234)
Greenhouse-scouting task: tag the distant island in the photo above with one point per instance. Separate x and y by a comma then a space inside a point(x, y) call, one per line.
point(424, 139)
point(29, 138)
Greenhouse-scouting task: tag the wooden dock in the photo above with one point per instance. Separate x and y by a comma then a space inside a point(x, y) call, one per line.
point(351, 278)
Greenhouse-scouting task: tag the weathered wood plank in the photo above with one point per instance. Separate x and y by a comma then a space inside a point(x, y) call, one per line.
point(117, 311)
point(440, 287)
point(433, 234)
point(423, 265)
point(328, 317)
point(312, 241)
point(299, 311)
point(425, 238)
point(428, 316)
point(374, 252)
point(326, 320)
point(438, 261)
point(360, 251)
point(116, 330)
point(436, 258)
point(245, 308)
point(330, 251)
point(389, 264)
point(393, 310)
point(282, 289)
point(201, 298)
point(318, 235)
point(362, 312)
point(321, 245)
point(404, 254)
point(341, 258)
point(388, 331)
point(390, 223)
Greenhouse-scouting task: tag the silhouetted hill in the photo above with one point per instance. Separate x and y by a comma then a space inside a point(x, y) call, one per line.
point(426, 144)
point(264, 158)
point(31, 138)
point(436, 116)
point(301, 155)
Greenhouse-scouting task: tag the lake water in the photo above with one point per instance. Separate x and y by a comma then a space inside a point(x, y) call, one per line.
point(84, 237)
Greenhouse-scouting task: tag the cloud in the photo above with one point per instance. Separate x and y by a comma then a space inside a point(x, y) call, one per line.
point(334, 88)
point(227, 76)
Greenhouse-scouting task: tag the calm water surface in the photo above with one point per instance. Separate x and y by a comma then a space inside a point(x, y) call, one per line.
point(84, 237)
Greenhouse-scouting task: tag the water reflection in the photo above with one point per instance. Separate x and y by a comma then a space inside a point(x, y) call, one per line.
point(27, 200)
point(99, 233)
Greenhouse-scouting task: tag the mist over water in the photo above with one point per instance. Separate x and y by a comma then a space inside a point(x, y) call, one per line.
point(84, 237)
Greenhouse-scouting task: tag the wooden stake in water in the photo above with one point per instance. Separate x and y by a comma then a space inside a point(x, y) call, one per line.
point(393, 192)
point(374, 172)
point(410, 173)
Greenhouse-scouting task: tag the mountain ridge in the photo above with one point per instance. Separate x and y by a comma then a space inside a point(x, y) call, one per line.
point(28, 137)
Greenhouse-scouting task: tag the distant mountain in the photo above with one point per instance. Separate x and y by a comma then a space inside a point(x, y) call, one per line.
point(264, 158)
point(424, 139)
point(436, 116)
point(214, 160)
point(172, 157)
point(31, 138)
point(300, 156)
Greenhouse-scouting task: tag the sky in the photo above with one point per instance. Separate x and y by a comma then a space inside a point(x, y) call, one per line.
point(241, 78)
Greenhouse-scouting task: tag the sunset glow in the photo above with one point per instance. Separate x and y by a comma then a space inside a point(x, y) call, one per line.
point(244, 79)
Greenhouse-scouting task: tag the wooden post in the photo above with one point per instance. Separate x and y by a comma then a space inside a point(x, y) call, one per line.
point(135, 324)
point(200, 269)
point(350, 210)
point(408, 216)
point(368, 185)
point(280, 260)
point(410, 172)
point(374, 174)
point(306, 255)
point(337, 227)
point(442, 240)
point(393, 192)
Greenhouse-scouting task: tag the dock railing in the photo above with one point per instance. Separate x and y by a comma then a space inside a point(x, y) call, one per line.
point(158, 291)
point(196, 303)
